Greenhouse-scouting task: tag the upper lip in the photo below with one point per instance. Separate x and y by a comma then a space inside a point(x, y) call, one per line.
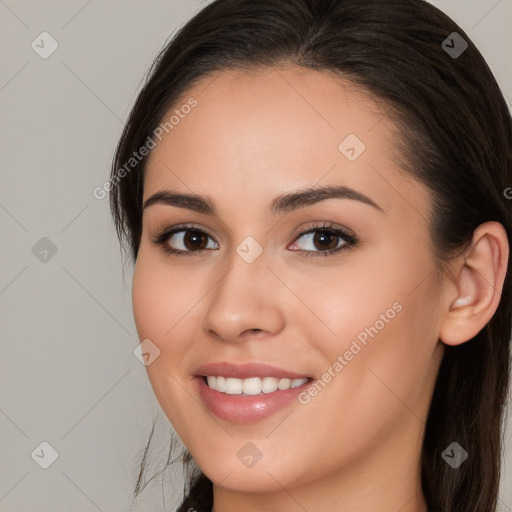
point(246, 370)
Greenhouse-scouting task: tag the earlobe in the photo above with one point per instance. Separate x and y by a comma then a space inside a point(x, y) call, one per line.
point(478, 284)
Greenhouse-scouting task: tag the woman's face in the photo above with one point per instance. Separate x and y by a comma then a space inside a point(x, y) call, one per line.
point(256, 284)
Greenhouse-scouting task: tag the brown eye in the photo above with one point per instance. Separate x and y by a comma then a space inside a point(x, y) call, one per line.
point(325, 240)
point(322, 241)
point(185, 241)
point(195, 240)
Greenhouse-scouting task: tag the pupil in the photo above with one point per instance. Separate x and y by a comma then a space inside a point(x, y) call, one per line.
point(322, 236)
point(192, 238)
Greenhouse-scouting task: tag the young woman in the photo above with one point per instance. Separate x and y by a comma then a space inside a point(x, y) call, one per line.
point(316, 195)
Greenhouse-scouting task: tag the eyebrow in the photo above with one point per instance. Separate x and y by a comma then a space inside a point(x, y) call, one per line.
point(281, 204)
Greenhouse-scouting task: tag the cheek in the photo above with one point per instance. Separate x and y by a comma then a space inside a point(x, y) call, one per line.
point(383, 321)
point(161, 296)
point(377, 385)
point(149, 303)
point(160, 305)
point(162, 308)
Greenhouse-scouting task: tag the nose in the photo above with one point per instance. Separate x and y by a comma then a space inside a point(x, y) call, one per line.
point(247, 301)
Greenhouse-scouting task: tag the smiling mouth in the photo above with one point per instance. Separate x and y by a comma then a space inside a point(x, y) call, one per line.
point(253, 385)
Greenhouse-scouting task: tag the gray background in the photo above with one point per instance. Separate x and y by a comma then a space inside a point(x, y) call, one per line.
point(69, 375)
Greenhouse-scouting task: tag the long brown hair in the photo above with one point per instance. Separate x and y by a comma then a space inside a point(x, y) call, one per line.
point(456, 138)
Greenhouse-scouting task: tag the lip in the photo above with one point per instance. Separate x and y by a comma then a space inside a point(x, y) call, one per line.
point(246, 370)
point(246, 409)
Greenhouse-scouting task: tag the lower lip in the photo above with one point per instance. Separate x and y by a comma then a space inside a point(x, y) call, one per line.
point(247, 409)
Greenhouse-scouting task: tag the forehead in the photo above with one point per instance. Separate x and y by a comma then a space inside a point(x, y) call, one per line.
point(264, 131)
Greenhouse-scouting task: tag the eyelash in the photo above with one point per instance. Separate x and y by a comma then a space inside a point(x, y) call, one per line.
point(350, 240)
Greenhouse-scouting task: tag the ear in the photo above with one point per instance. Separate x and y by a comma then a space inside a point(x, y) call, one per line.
point(478, 276)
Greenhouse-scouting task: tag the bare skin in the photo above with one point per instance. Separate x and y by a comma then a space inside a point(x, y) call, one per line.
point(356, 445)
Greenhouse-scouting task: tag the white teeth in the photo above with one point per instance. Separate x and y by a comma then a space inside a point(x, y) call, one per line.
point(284, 384)
point(252, 385)
point(295, 383)
point(220, 383)
point(268, 385)
point(233, 386)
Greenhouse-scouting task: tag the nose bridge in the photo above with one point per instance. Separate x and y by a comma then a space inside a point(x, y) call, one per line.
point(244, 298)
